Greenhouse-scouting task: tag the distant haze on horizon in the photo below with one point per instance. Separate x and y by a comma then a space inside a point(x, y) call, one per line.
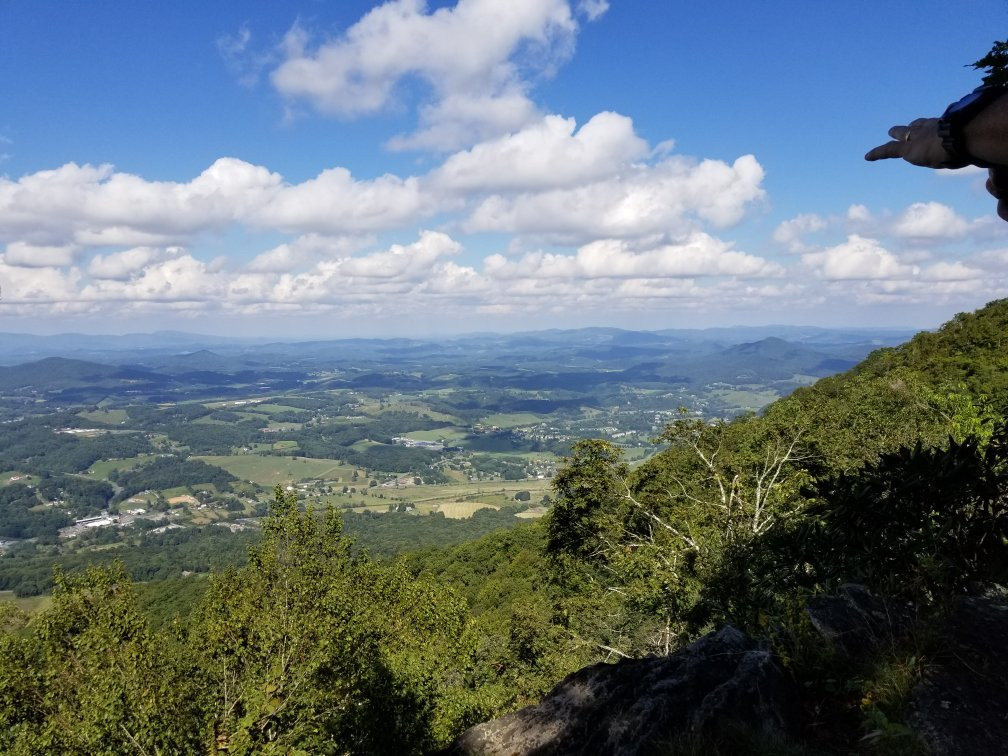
point(319, 169)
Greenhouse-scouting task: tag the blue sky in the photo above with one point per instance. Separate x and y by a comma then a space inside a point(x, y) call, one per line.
point(339, 168)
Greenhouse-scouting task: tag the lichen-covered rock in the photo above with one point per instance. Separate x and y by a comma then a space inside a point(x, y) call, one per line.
point(635, 706)
point(856, 622)
point(961, 705)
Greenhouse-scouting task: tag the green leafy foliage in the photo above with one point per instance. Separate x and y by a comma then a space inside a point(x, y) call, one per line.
point(894, 474)
point(169, 472)
point(314, 649)
point(918, 521)
point(995, 63)
point(308, 648)
point(20, 518)
point(646, 543)
point(88, 676)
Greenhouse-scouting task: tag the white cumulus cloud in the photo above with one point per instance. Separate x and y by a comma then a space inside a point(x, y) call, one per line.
point(670, 198)
point(478, 59)
point(791, 232)
point(859, 258)
point(929, 220)
point(698, 256)
point(546, 154)
point(39, 256)
point(122, 265)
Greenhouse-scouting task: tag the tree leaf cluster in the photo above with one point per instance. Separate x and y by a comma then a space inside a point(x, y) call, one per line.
point(308, 648)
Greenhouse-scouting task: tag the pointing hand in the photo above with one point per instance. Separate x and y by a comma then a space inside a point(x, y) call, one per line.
point(917, 143)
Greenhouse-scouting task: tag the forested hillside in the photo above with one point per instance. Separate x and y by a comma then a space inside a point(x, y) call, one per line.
point(893, 474)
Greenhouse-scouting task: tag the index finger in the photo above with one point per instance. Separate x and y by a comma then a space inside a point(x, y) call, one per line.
point(887, 150)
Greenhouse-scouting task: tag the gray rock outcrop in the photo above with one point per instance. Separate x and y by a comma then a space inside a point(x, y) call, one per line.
point(636, 706)
point(727, 680)
point(961, 704)
point(855, 622)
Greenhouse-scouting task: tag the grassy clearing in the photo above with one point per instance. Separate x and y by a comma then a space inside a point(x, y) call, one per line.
point(257, 416)
point(30, 604)
point(746, 399)
point(207, 420)
point(637, 453)
point(170, 493)
point(236, 403)
point(207, 516)
point(436, 434)
point(6, 475)
point(284, 427)
point(137, 499)
point(268, 471)
point(395, 404)
point(377, 508)
point(515, 455)
point(512, 419)
point(285, 445)
point(175, 498)
point(461, 510)
point(104, 467)
point(106, 417)
point(497, 492)
point(271, 409)
point(363, 446)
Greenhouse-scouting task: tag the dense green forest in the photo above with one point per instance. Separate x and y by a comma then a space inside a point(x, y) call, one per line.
point(894, 475)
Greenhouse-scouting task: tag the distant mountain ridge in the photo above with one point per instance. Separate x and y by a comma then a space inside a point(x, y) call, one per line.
point(577, 360)
point(149, 348)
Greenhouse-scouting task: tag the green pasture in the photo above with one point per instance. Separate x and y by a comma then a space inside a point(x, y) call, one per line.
point(498, 492)
point(512, 419)
point(169, 493)
point(30, 604)
point(378, 508)
point(232, 404)
point(394, 404)
point(6, 475)
point(271, 409)
point(284, 427)
point(745, 399)
point(522, 455)
point(207, 516)
point(458, 510)
point(105, 416)
point(449, 433)
point(268, 471)
point(103, 467)
point(637, 453)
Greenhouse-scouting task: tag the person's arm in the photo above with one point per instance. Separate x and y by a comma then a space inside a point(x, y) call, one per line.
point(985, 137)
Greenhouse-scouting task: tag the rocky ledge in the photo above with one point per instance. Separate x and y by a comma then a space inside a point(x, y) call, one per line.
point(727, 681)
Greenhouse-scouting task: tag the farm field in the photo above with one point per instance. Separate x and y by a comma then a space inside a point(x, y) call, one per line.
point(512, 419)
point(272, 409)
point(106, 416)
point(448, 433)
point(28, 604)
point(103, 468)
point(744, 399)
point(464, 491)
point(457, 510)
point(268, 471)
point(507, 408)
